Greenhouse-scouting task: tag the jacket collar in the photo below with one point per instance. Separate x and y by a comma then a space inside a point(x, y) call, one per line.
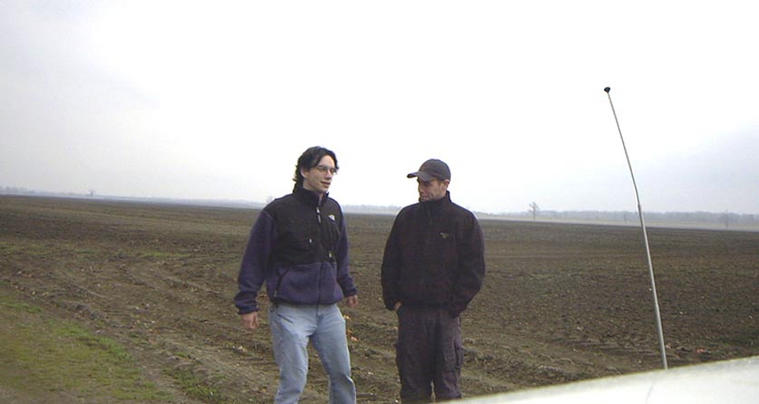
point(309, 197)
point(438, 204)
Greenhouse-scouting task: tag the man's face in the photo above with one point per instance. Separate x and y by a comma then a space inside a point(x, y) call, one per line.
point(319, 178)
point(432, 190)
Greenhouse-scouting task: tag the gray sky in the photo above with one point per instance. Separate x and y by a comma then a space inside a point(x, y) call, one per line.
point(217, 99)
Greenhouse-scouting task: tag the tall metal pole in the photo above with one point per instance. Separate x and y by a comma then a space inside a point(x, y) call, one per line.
point(662, 348)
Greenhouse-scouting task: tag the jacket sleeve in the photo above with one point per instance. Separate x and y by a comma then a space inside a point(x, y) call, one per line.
point(344, 278)
point(253, 268)
point(390, 272)
point(471, 268)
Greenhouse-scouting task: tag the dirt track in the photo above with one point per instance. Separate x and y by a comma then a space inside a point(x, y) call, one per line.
point(560, 302)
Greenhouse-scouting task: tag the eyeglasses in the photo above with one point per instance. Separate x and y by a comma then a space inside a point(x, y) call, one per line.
point(324, 169)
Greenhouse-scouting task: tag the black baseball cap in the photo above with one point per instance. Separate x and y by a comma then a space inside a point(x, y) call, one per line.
point(432, 168)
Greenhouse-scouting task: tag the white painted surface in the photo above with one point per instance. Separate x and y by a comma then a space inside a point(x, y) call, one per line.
point(726, 382)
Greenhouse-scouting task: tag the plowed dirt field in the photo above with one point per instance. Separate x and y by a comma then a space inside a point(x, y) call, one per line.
point(560, 302)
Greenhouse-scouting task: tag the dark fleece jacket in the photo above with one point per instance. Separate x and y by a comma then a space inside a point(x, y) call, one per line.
point(434, 257)
point(299, 247)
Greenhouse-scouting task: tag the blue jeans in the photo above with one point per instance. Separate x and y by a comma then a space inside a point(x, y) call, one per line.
point(292, 326)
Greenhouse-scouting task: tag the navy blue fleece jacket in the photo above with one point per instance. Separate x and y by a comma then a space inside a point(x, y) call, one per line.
point(298, 246)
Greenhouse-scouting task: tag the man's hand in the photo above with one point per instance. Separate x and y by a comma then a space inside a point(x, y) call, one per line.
point(351, 301)
point(249, 320)
point(397, 306)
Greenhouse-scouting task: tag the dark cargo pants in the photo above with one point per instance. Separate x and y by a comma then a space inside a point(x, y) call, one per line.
point(428, 352)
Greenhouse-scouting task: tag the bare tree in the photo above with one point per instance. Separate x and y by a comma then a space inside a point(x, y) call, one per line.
point(534, 209)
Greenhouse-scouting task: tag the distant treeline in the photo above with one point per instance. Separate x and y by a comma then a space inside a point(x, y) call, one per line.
point(371, 209)
point(712, 219)
point(92, 196)
point(689, 219)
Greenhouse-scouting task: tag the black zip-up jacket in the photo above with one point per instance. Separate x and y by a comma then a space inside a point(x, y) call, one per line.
point(299, 247)
point(434, 257)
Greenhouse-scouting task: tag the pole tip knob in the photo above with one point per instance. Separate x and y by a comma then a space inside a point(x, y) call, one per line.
point(607, 89)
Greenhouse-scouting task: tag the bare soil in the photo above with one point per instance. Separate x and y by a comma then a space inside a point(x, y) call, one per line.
point(561, 302)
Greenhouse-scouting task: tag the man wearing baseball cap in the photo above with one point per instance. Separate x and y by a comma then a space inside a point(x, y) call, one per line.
point(432, 268)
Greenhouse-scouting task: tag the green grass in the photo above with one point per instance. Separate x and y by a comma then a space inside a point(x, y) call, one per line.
point(196, 387)
point(12, 247)
point(44, 355)
point(161, 255)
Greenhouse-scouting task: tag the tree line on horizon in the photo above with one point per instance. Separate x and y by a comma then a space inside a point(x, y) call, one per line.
point(715, 219)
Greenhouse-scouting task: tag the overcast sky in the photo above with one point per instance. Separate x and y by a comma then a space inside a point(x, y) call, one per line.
point(217, 99)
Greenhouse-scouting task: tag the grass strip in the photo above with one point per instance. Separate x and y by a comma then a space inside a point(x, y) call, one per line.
point(42, 355)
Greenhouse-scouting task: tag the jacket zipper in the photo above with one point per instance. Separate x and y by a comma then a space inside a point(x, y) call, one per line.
point(321, 266)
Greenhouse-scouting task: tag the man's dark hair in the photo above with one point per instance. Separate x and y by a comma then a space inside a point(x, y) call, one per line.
point(310, 159)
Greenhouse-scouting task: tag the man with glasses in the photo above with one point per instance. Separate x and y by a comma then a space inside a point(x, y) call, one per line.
point(432, 268)
point(299, 247)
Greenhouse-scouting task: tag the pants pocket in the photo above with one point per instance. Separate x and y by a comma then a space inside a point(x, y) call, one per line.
point(452, 347)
